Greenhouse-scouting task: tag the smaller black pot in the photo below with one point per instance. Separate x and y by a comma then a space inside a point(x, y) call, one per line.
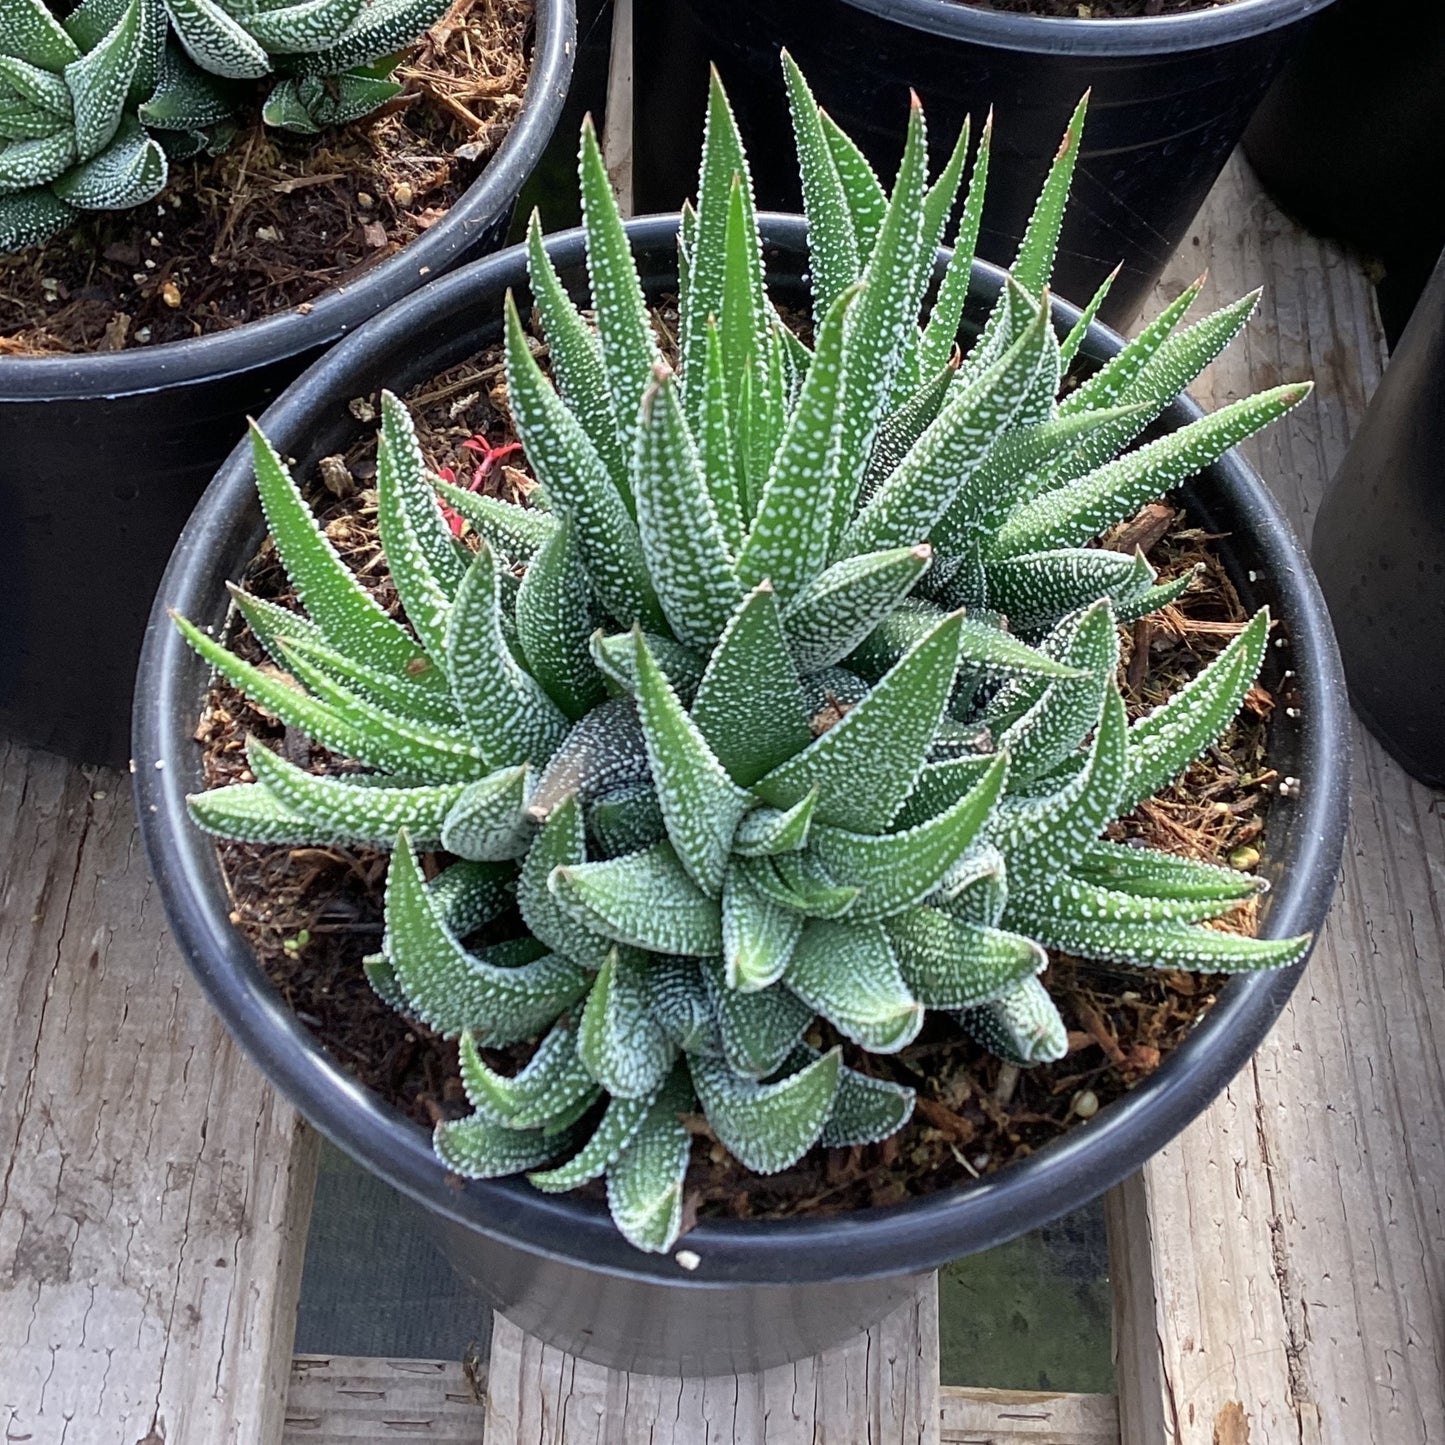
point(763, 1292)
point(1351, 138)
point(102, 457)
point(1171, 95)
point(1379, 548)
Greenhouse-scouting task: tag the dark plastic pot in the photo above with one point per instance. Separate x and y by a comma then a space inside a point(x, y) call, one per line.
point(1379, 545)
point(1171, 95)
point(102, 457)
point(762, 1293)
point(1350, 131)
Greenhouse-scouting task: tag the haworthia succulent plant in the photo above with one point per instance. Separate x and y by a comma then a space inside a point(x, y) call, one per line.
point(804, 713)
point(97, 99)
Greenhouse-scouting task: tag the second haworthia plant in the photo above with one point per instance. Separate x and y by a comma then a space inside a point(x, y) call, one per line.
point(95, 105)
point(789, 717)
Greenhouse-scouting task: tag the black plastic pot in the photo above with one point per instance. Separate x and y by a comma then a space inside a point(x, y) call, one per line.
point(1351, 131)
point(1171, 95)
point(1379, 545)
point(102, 457)
point(762, 1293)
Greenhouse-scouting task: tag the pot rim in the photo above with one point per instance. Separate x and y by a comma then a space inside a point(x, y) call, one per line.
point(906, 1238)
point(93, 375)
point(1126, 35)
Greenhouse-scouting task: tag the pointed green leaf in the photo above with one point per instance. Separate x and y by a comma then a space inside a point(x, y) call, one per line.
point(717, 449)
point(505, 709)
point(645, 1182)
point(629, 349)
point(1022, 1027)
point(29, 30)
point(554, 624)
point(1040, 837)
point(353, 728)
point(477, 1149)
point(577, 481)
point(626, 820)
point(576, 358)
point(767, 1127)
point(749, 705)
point(614, 1132)
point(948, 963)
point(1071, 515)
point(516, 532)
point(765, 831)
point(701, 805)
point(901, 431)
point(604, 753)
point(1034, 262)
point(616, 659)
point(833, 262)
point(759, 1027)
point(790, 537)
point(561, 842)
point(678, 998)
point(941, 334)
point(848, 973)
point(623, 1047)
point(940, 785)
point(1036, 589)
point(99, 82)
point(884, 313)
point(407, 502)
point(1148, 873)
point(1165, 741)
point(893, 870)
point(1069, 346)
point(450, 989)
point(797, 882)
point(646, 900)
point(363, 815)
point(251, 814)
point(488, 822)
point(905, 508)
point(216, 41)
point(839, 610)
point(349, 617)
point(553, 1082)
point(758, 934)
point(867, 200)
point(864, 764)
point(687, 555)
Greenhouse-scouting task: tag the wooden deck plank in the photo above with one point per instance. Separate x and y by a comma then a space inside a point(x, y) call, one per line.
point(338, 1400)
point(881, 1387)
point(1278, 1269)
point(155, 1191)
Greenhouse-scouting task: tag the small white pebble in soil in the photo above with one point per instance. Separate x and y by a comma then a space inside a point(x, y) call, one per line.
point(1253, 575)
point(156, 239)
point(979, 1162)
point(132, 765)
point(138, 277)
point(365, 200)
point(1280, 642)
point(98, 795)
point(268, 233)
point(1291, 712)
point(160, 764)
point(150, 265)
point(403, 195)
point(424, 271)
point(1085, 1103)
point(142, 335)
point(688, 1259)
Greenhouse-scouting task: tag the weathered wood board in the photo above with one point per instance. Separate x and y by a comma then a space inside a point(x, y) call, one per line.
point(1280, 1269)
point(155, 1192)
point(348, 1401)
